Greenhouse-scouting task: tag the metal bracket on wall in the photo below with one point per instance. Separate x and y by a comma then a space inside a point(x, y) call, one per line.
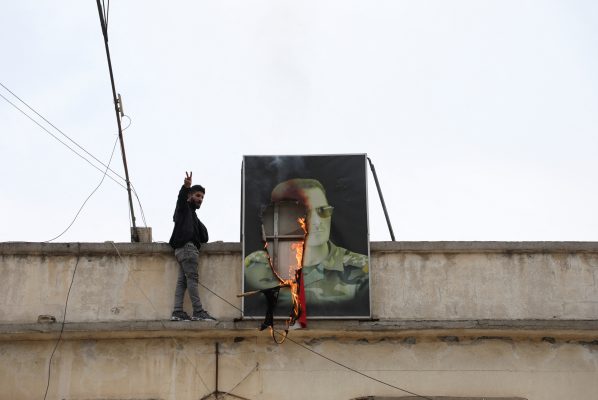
point(217, 394)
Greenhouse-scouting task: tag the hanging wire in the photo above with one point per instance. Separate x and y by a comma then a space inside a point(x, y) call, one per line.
point(282, 334)
point(241, 381)
point(140, 206)
point(58, 139)
point(130, 122)
point(131, 183)
point(88, 197)
point(176, 342)
point(63, 320)
point(106, 13)
point(74, 142)
point(57, 129)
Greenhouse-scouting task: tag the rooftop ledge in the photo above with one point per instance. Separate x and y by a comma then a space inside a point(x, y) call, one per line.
point(36, 248)
point(409, 331)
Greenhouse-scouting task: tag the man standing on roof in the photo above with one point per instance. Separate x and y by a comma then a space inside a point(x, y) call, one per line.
point(187, 236)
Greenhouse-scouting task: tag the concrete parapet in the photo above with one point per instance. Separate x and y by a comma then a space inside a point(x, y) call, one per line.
point(450, 320)
point(409, 281)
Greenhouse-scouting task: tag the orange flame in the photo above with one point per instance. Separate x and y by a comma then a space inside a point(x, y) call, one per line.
point(301, 222)
point(298, 247)
point(294, 271)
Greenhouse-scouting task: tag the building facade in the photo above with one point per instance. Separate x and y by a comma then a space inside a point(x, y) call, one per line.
point(450, 320)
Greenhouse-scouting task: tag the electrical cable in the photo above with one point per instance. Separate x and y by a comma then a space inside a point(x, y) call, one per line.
point(131, 183)
point(320, 354)
point(88, 197)
point(242, 380)
point(63, 320)
point(356, 371)
point(135, 281)
point(176, 342)
point(58, 139)
point(139, 202)
point(130, 122)
point(106, 12)
point(74, 142)
point(58, 130)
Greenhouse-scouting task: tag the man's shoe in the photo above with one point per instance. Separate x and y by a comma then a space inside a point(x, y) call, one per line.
point(180, 316)
point(202, 316)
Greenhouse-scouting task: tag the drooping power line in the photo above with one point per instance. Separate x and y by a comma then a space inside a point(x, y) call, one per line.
point(320, 354)
point(68, 295)
point(88, 197)
point(73, 142)
point(58, 139)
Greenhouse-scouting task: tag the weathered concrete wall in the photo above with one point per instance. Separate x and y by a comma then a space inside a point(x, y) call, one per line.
point(471, 320)
point(485, 285)
point(184, 369)
point(120, 282)
point(427, 281)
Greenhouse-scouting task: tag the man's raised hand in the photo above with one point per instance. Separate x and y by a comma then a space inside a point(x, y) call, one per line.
point(188, 178)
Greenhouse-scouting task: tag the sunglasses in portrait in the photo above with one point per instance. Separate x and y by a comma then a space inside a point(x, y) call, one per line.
point(324, 211)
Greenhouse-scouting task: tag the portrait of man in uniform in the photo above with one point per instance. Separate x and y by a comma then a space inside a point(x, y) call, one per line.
point(335, 277)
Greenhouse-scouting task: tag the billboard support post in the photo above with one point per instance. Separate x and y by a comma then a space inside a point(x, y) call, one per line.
point(392, 235)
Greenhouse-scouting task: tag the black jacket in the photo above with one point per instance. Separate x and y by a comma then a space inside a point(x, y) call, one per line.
point(187, 227)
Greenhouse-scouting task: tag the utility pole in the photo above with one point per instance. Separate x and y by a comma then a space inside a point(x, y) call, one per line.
point(118, 110)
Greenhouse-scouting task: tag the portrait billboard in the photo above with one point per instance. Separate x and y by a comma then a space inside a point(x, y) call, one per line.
point(312, 209)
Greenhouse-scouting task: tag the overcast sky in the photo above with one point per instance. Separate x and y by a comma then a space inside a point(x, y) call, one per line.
point(481, 117)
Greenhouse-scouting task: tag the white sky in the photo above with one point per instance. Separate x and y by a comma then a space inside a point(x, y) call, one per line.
point(481, 117)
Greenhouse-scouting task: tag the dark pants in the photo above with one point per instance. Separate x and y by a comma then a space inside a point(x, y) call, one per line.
point(188, 258)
